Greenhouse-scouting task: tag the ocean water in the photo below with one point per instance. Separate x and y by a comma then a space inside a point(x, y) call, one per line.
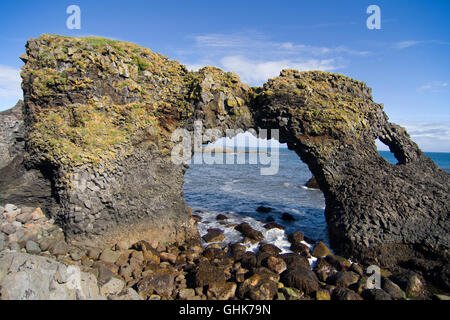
point(237, 190)
point(442, 159)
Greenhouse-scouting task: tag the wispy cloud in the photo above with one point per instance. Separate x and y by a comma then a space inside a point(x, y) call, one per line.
point(406, 44)
point(430, 136)
point(254, 40)
point(256, 58)
point(10, 89)
point(412, 43)
point(252, 71)
point(434, 87)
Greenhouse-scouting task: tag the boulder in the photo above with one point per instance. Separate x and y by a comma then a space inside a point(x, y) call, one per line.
point(275, 264)
point(273, 225)
point(113, 286)
point(30, 277)
point(392, 289)
point(258, 287)
point(320, 250)
point(32, 247)
point(269, 248)
point(59, 248)
point(109, 256)
point(222, 290)
point(410, 282)
point(338, 262)
point(287, 217)
point(249, 232)
point(214, 235)
point(207, 274)
point(324, 270)
point(294, 260)
point(161, 282)
point(343, 279)
point(301, 278)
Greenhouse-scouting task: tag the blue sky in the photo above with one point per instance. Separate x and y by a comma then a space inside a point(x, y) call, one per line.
point(406, 62)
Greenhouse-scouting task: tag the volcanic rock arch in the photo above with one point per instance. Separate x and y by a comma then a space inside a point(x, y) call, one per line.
point(99, 117)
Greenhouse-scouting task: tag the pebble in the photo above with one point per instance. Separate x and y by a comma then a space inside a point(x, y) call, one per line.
point(32, 247)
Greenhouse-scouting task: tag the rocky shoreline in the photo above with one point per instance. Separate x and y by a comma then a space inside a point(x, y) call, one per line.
point(37, 263)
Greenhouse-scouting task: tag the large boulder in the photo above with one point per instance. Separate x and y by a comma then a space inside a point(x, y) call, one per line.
point(29, 277)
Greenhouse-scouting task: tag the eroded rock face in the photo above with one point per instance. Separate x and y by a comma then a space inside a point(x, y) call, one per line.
point(374, 210)
point(12, 135)
point(99, 117)
point(19, 184)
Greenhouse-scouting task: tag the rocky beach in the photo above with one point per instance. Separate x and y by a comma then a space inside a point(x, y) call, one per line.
point(37, 263)
point(92, 205)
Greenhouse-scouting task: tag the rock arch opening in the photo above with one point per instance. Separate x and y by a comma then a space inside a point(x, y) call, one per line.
point(236, 190)
point(385, 152)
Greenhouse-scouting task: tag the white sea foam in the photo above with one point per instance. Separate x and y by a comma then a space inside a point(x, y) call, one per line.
point(274, 236)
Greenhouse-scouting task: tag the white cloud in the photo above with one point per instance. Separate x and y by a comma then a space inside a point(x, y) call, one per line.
point(434, 86)
point(10, 89)
point(253, 40)
point(406, 44)
point(430, 136)
point(411, 43)
point(256, 58)
point(258, 72)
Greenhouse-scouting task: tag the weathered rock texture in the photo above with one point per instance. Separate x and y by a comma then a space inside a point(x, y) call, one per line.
point(18, 184)
point(99, 115)
point(12, 138)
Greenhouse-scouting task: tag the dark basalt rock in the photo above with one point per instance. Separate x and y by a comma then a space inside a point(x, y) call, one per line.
point(263, 209)
point(19, 184)
point(12, 134)
point(312, 183)
point(249, 232)
point(98, 117)
point(301, 278)
point(287, 217)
